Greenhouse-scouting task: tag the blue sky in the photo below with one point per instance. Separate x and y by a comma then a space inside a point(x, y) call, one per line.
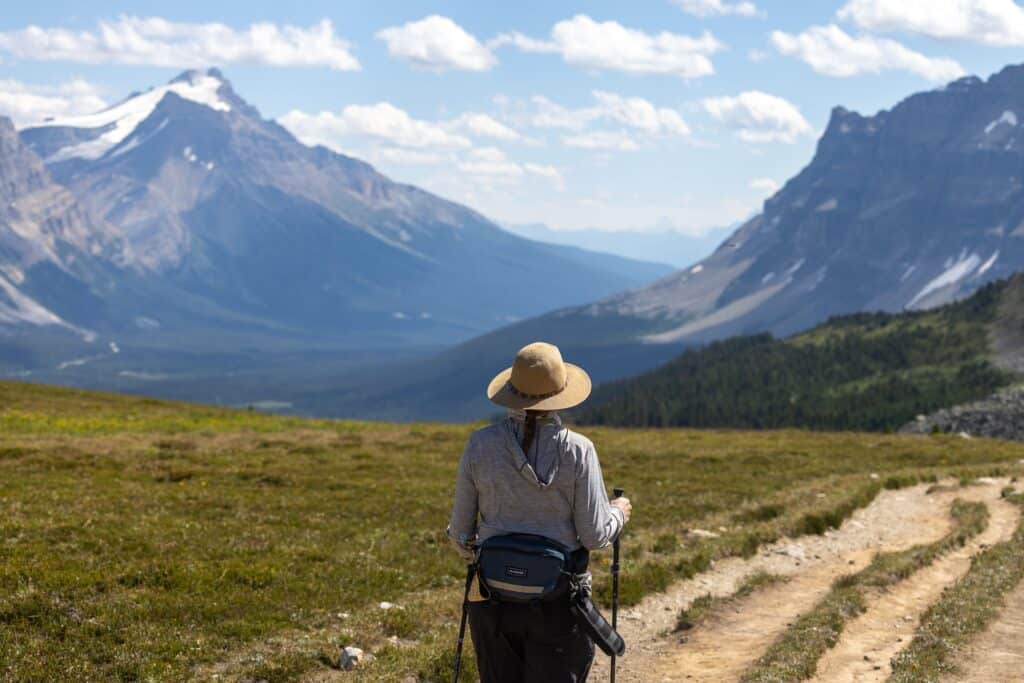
point(615, 115)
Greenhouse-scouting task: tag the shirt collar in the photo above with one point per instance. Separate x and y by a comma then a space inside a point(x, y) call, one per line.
point(549, 417)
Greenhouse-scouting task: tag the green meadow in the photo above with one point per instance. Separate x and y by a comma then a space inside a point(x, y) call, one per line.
point(149, 540)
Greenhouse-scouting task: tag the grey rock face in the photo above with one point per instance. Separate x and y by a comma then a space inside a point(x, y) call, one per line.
point(1000, 416)
point(907, 209)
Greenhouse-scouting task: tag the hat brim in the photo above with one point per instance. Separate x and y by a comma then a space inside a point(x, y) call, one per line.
point(577, 389)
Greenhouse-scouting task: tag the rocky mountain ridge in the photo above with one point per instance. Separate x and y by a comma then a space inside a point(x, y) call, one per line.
point(207, 220)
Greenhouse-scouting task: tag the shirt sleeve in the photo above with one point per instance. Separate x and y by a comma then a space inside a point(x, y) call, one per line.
point(462, 526)
point(597, 521)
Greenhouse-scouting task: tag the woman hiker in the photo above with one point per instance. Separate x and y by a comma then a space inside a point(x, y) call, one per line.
point(528, 474)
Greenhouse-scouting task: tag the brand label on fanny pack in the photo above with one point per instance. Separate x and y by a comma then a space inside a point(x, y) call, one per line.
point(517, 572)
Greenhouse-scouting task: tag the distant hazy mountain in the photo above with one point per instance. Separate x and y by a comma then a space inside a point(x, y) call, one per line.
point(911, 208)
point(662, 245)
point(178, 220)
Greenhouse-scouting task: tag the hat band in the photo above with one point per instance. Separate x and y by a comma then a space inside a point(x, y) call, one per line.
point(522, 394)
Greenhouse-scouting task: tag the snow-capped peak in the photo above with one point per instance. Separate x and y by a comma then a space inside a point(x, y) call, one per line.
point(121, 119)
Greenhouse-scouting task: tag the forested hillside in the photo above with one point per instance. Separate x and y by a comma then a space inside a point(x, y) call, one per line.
point(872, 371)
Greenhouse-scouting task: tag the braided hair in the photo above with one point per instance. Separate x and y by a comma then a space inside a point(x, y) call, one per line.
point(529, 431)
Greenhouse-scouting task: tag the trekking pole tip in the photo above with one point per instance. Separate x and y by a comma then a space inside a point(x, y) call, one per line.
point(618, 492)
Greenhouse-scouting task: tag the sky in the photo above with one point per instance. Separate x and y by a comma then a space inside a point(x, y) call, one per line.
point(620, 116)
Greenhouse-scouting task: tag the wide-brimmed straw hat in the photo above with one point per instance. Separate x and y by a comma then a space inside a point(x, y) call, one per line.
point(540, 380)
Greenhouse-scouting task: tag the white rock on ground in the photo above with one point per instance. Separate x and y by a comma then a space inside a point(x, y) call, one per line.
point(702, 533)
point(353, 657)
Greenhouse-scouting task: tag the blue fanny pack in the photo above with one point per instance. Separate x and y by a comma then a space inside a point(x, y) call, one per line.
point(527, 568)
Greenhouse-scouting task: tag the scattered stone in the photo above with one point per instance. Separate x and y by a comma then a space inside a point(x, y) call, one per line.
point(965, 435)
point(353, 657)
point(794, 551)
point(386, 605)
point(874, 475)
point(988, 481)
point(344, 615)
point(410, 679)
point(702, 533)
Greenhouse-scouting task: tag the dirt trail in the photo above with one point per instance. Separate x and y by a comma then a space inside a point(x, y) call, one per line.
point(727, 643)
point(869, 642)
point(998, 653)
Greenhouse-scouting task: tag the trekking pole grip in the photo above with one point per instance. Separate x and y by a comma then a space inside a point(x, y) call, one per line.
point(618, 493)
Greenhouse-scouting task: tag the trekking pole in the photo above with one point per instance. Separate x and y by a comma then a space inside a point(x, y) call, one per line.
point(615, 579)
point(462, 626)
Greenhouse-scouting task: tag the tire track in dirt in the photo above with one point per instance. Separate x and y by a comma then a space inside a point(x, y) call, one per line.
point(998, 653)
point(727, 643)
point(871, 640)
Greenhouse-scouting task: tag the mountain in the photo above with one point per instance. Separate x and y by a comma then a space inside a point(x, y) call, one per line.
point(908, 209)
point(659, 244)
point(52, 252)
point(179, 224)
point(864, 371)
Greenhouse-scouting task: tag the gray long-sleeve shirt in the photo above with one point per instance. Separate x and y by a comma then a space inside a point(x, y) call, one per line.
point(556, 491)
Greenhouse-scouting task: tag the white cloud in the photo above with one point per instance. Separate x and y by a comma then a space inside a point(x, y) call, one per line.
point(550, 114)
point(548, 172)
point(482, 125)
point(634, 112)
point(765, 185)
point(437, 43)
point(830, 50)
point(995, 22)
point(710, 8)
point(602, 139)
point(28, 104)
point(609, 45)
point(759, 117)
point(155, 41)
point(381, 122)
point(491, 163)
point(758, 56)
point(637, 112)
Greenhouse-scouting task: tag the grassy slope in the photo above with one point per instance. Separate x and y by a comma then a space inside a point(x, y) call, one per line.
point(870, 371)
point(143, 539)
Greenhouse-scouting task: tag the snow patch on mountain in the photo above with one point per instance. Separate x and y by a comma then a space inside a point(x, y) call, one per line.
point(955, 272)
point(1008, 117)
point(118, 122)
point(988, 264)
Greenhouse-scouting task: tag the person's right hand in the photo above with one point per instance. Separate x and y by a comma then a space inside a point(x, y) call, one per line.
point(623, 504)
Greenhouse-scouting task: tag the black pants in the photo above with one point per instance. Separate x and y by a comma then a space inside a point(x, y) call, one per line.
point(529, 643)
